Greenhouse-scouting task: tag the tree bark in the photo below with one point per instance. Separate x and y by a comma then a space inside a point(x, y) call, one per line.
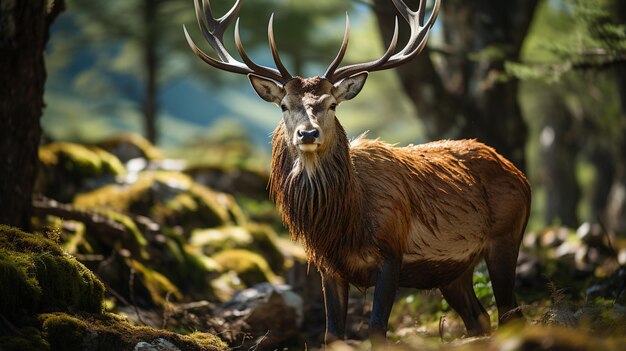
point(151, 66)
point(23, 35)
point(559, 151)
point(463, 95)
point(609, 202)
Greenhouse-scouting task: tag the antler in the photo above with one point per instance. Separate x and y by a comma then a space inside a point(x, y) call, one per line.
point(416, 43)
point(213, 31)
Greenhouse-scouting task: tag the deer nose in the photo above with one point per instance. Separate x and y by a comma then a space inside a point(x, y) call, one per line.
point(308, 136)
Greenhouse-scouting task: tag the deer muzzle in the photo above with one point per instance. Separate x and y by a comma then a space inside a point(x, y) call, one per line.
point(307, 139)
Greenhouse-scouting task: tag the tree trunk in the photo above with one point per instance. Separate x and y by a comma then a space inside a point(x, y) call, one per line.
point(609, 206)
point(559, 145)
point(151, 66)
point(463, 95)
point(617, 214)
point(23, 35)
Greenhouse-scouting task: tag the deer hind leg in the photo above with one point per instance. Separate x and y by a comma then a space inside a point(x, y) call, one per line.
point(501, 262)
point(461, 296)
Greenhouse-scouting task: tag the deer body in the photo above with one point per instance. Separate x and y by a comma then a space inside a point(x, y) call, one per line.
point(436, 209)
point(371, 214)
point(436, 205)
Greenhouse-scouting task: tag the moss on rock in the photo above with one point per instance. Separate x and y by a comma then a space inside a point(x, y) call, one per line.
point(52, 302)
point(156, 283)
point(80, 160)
point(265, 242)
point(27, 338)
point(258, 238)
point(113, 332)
point(214, 240)
point(170, 198)
point(129, 146)
point(189, 269)
point(250, 267)
point(38, 277)
point(65, 168)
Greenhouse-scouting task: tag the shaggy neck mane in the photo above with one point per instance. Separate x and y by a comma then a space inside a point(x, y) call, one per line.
point(320, 199)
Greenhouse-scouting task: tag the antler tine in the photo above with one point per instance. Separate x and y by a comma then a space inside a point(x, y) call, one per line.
point(270, 35)
point(349, 70)
point(232, 13)
point(419, 34)
point(405, 11)
point(416, 43)
point(213, 31)
point(235, 67)
point(330, 71)
point(270, 72)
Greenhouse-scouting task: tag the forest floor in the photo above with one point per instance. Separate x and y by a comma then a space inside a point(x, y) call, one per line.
point(141, 252)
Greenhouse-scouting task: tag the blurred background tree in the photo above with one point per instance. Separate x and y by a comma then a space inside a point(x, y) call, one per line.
point(573, 72)
point(456, 83)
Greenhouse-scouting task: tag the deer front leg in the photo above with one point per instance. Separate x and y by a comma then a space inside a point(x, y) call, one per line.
point(336, 303)
point(384, 296)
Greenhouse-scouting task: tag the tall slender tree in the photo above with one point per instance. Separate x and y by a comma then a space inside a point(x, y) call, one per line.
point(23, 35)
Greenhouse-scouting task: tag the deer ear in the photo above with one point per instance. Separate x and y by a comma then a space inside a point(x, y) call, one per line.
point(349, 87)
point(267, 89)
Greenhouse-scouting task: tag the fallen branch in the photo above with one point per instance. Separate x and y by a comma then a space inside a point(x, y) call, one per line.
point(43, 206)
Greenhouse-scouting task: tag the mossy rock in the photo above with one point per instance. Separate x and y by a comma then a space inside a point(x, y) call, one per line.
point(156, 283)
point(50, 301)
point(81, 160)
point(129, 146)
point(112, 332)
point(191, 271)
point(27, 338)
point(250, 267)
point(170, 198)
point(258, 238)
point(265, 242)
point(67, 168)
point(37, 276)
point(214, 240)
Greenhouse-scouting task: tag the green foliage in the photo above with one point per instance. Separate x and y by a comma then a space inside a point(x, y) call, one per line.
point(581, 35)
point(482, 286)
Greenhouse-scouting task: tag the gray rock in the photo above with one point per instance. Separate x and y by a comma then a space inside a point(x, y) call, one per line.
point(159, 344)
point(264, 316)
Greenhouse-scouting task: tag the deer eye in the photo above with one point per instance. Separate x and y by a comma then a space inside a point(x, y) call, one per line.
point(283, 107)
point(333, 107)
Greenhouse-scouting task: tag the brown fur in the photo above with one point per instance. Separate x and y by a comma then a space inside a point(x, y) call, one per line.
point(362, 201)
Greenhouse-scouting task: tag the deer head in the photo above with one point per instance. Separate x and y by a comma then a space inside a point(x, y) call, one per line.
point(308, 104)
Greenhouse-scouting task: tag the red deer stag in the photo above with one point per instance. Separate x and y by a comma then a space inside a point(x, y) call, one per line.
point(372, 214)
